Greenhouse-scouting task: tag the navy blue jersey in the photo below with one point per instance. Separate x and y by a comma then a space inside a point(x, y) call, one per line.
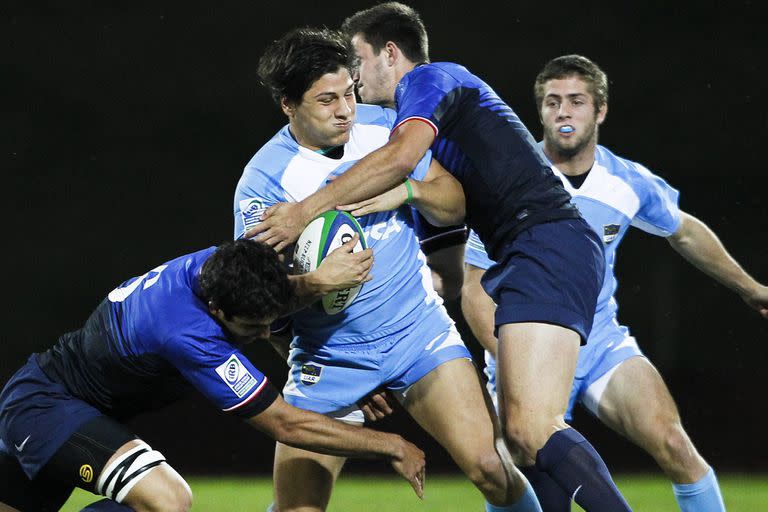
point(481, 141)
point(150, 342)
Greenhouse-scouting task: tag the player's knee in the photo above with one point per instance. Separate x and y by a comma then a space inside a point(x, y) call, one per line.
point(524, 439)
point(675, 445)
point(488, 475)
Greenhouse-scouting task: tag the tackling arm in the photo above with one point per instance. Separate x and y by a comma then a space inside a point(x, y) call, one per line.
point(374, 174)
point(311, 431)
point(700, 246)
point(439, 198)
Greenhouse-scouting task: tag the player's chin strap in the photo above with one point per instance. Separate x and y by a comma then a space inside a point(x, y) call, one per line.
point(117, 479)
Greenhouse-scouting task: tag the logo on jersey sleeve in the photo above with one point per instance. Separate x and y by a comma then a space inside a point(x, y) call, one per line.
point(251, 211)
point(236, 376)
point(310, 373)
point(610, 232)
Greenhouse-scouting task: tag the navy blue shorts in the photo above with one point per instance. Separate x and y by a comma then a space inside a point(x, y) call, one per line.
point(550, 273)
point(37, 416)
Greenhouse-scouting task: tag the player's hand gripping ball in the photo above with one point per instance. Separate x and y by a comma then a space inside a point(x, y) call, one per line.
point(325, 233)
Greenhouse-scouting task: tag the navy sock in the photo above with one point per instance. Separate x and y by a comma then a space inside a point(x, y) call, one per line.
point(580, 471)
point(551, 496)
point(107, 505)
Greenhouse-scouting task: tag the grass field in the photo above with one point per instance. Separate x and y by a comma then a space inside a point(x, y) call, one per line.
point(443, 494)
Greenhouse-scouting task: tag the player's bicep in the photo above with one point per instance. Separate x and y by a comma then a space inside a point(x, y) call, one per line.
point(410, 140)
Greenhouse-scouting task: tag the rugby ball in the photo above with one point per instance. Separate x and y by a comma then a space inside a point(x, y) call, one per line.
point(325, 233)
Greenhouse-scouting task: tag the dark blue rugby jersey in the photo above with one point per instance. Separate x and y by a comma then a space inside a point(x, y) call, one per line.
point(481, 141)
point(152, 341)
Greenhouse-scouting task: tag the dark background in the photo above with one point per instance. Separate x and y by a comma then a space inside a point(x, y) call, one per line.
point(125, 129)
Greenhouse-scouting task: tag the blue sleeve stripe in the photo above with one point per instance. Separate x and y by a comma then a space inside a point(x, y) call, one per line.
point(416, 118)
point(251, 397)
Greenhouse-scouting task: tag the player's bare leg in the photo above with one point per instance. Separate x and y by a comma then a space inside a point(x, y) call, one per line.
point(535, 368)
point(304, 480)
point(650, 419)
point(536, 365)
point(450, 404)
point(162, 489)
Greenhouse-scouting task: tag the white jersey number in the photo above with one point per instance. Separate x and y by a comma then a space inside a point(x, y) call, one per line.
point(120, 294)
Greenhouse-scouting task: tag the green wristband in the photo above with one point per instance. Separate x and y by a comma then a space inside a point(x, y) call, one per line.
point(410, 191)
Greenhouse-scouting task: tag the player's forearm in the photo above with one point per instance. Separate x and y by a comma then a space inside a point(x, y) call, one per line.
point(378, 172)
point(440, 201)
point(307, 289)
point(333, 437)
point(701, 247)
point(310, 431)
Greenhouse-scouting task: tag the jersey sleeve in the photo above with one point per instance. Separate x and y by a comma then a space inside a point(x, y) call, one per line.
point(475, 253)
point(427, 96)
point(659, 213)
point(221, 373)
point(256, 191)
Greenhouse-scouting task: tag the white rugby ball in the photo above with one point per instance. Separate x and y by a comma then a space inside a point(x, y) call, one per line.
point(322, 236)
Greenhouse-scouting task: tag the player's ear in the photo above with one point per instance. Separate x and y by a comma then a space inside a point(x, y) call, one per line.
point(392, 52)
point(287, 107)
point(601, 113)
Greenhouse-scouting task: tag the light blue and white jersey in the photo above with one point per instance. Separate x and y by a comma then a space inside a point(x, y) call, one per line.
point(617, 194)
point(401, 290)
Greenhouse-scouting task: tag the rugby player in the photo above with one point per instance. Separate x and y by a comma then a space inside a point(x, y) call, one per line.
point(614, 380)
point(396, 334)
point(155, 338)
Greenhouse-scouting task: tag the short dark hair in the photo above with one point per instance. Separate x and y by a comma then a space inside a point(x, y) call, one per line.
point(394, 22)
point(570, 65)
point(246, 278)
point(290, 65)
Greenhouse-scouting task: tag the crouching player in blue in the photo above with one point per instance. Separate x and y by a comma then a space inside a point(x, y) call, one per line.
point(396, 334)
point(153, 339)
point(614, 381)
point(550, 261)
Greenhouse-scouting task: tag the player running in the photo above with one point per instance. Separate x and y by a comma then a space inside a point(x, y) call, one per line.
point(550, 261)
point(396, 334)
point(154, 339)
point(614, 381)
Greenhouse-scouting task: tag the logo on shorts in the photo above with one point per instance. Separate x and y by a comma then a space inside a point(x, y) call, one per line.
point(610, 232)
point(86, 473)
point(251, 210)
point(20, 447)
point(236, 376)
point(310, 373)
